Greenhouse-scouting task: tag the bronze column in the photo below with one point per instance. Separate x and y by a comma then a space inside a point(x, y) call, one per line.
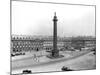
point(55, 52)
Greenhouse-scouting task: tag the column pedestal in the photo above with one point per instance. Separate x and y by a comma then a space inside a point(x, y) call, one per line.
point(54, 55)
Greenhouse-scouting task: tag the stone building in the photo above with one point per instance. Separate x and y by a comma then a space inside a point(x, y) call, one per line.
point(28, 43)
point(19, 44)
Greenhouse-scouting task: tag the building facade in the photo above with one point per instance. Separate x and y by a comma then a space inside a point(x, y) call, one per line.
point(19, 44)
point(22, 43)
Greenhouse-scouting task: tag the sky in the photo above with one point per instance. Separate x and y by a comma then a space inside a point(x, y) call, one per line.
point(29, 18)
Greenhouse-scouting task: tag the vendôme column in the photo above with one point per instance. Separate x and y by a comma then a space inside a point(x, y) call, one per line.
point(55, 51)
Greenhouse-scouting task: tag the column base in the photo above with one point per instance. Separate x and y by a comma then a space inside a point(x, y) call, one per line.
point(54, 57)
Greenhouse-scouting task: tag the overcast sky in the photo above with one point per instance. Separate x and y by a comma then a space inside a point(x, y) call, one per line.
point(36, 19)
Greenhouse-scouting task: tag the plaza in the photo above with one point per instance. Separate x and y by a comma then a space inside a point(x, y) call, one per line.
point(75, 60)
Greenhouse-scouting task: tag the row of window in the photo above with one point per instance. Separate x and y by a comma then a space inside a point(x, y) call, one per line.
point(20, 46)
point(23, 43)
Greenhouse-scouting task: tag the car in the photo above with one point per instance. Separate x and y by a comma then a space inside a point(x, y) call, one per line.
point(19, 54)
point(12, 55)
point(64, 68)
point(27, 71)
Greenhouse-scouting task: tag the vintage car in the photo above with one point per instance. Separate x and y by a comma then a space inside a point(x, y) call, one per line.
point(27, 71)
point(16, 54)
point(64, 68)
point(12, 55)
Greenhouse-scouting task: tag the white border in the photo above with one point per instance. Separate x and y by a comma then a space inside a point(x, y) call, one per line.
point(5, 37)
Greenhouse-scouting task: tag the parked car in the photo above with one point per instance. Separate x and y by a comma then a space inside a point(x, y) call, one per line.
point(27, 71)
point(16, 54)
point(64, 68)
point(12, 55)
point(22, 53)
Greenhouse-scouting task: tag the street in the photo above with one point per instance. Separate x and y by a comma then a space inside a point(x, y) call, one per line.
point(53, 65)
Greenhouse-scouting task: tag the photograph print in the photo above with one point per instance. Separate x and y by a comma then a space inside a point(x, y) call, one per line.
point(52, 37)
